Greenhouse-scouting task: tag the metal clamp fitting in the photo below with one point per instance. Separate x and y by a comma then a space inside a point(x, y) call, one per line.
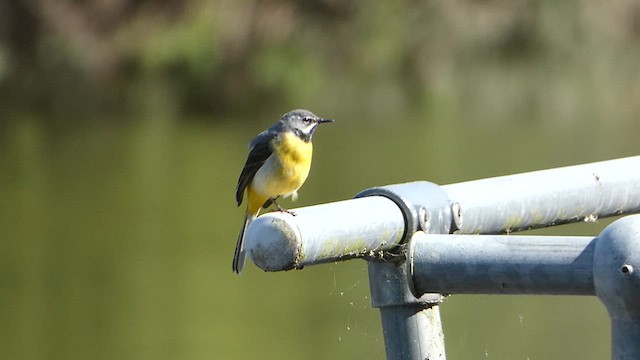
point(424, 205)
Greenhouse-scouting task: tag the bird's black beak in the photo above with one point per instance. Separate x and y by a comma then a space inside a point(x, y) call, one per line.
point(320, 121)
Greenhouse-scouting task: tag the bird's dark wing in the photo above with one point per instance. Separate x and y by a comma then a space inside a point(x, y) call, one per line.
point(260, 150)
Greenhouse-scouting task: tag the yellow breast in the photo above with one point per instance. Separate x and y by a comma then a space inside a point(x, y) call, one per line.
point(294, 156)
point(286, 169)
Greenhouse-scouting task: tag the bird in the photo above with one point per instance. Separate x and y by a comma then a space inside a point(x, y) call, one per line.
point(278, 164)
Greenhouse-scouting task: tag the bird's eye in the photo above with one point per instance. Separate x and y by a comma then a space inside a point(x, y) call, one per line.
point(306, 120)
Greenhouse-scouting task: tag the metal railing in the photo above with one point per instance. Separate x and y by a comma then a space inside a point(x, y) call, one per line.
point(423, 240)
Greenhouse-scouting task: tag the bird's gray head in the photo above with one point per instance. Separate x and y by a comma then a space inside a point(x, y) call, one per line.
point(302, 122)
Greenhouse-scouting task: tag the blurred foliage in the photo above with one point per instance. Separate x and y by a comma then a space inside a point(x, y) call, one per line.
point(221, 56)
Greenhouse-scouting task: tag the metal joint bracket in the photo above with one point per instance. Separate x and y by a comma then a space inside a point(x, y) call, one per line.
point(616, 276)
point(424, 205)
point(397, 290)
point(412, 325)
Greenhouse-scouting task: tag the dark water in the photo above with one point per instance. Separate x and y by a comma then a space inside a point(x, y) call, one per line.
point(117, 239)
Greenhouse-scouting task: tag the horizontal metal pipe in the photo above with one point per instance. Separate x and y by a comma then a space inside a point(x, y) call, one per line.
point(364, 227)
point(547, 197)
point(501, 264)
point(371, 225)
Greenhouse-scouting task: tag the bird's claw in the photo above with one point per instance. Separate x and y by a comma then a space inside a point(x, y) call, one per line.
point(288, 212)
point(281, 209)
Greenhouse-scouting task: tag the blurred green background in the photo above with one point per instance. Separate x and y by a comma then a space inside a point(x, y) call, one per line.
point(124, 124)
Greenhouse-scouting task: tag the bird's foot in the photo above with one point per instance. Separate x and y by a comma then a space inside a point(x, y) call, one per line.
point(292, 213)
point(281, 209)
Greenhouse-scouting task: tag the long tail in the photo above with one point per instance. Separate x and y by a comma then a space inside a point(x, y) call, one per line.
point(240, 254)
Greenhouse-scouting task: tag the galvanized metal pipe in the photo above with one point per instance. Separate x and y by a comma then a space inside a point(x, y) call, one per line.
point(501, 264)
point(547, 197)
point(607, 266)
point(413, 332)
point(386, 216)
point(365, 227)
point(411, 325)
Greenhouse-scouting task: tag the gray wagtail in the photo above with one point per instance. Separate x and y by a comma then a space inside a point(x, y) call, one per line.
point(278, 164)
